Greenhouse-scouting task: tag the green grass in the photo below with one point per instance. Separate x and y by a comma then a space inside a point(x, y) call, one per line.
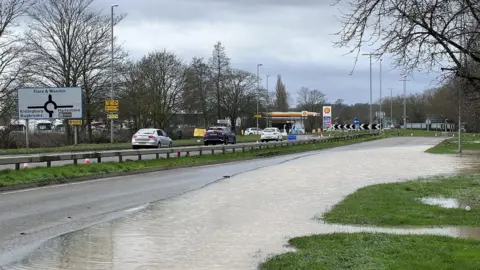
point(398, 204)
point(377, 251)
point(470, 142)
point(108, 146)
point(59, 174)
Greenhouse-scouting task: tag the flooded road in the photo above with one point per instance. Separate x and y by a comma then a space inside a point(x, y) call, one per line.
point(237, 222)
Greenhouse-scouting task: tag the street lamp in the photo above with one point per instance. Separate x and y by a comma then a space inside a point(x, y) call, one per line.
point(258, 89)
point(268, 103)
point(381, 113)
point(404, 101)
point(391, 106)
point(112, 71)
point(371, 86)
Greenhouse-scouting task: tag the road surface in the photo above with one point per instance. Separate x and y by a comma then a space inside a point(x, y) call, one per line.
point(245, 210)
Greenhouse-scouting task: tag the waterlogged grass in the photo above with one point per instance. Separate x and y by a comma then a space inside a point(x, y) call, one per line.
point(43, 175)
point(399, 204)
point(377, 251)
point(109, 146)
point(470, 142)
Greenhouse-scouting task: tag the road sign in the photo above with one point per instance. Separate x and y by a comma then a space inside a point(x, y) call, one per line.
point(257, 116)
point(112, 116)
point(75, 122)
point(356, 121)
point(223, 121)
point(327, 111)
point(112, 108)
point(304, 113)
point(372, 126)
point(50, 102)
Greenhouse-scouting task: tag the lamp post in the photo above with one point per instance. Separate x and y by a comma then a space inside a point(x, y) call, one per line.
point(391, 106)
point(371, 86)
point(381, 113)
point(404, 101)
point(268, 103)
point(112, 70)
point(258, 89)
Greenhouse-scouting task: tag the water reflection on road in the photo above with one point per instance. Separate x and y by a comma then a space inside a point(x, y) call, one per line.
point(236, 223)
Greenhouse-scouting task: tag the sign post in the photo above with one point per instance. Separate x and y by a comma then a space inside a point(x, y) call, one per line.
point(75, 124)
point(327, 117)
point(356, 122)
point(49, 103)
point(112, 107)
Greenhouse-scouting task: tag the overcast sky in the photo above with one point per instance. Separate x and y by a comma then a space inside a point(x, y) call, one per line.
point(289, 37)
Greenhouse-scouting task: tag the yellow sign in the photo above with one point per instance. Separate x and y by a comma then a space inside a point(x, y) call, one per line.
point(304, 113)
point(111, 102)
point(112, 116)
point(326, 110)
point(199, 132)
point(111, 108)
point(75, 122)
point(257, 116)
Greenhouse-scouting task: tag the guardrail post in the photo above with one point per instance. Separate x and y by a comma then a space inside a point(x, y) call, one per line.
point(243, 149)
point(233, 150)
point(213, 151)
point(120, 159)
point(157, 156)
point(75, 161)
point(223, 150)
point(17, 166)
point(200, 152)
point(99, 159)
point(49, 164)
point(168, 155)
point(187, 154)
point(139, 156)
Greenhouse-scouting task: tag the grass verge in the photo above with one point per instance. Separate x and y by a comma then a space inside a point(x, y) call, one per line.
point(470, 142)
point(377, 251)
point(108, 146)
point(62, 174)
point(396, 204)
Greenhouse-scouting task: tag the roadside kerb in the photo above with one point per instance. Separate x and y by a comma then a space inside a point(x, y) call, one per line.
point(185, 151)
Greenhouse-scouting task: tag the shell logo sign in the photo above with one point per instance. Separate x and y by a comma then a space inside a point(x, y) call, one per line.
point(327, 111)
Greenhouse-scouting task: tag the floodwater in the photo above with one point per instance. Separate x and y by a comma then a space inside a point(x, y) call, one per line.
point(238, 222)
point(443, 202)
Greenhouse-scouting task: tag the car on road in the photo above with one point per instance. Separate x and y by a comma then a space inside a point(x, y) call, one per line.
point(253, 131)
point(271, 134)
point(151, 138)
point(216, 135)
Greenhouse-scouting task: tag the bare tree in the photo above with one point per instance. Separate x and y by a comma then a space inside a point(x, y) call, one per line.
point(11, 51)
point(69, 44)
point(421, 35)
point(219, 64)
point(281, 96)
point(160, 79)
point(310, 100)
point(239, 95)
point(198, 95)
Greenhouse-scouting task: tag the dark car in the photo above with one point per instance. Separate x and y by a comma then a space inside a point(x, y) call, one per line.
point(216, 135)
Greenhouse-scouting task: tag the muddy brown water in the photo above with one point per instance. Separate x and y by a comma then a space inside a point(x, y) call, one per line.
point(238, 222)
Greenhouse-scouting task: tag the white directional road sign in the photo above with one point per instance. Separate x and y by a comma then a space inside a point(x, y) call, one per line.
point(50, 102)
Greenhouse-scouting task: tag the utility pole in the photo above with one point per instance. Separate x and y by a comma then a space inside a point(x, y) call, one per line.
point(258, 90)
point(391, 106)
point(371, 86)
point(381, 113)
point(112, 71)
point(268, 103)
point(404, 101)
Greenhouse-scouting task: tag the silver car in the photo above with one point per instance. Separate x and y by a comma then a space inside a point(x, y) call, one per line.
point(151, 137)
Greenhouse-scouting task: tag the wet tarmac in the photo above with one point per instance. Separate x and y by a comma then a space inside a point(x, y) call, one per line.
point(237, 222)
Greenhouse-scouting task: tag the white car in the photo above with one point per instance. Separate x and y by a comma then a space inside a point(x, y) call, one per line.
point(253, 131)
point(151, 137)
point(271, 134)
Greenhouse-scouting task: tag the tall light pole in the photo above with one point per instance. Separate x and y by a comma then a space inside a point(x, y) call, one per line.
point(371, 85)
point(391, 106)
point(268, 102)
point(258, 90)
point(404, 101)
point(112, 71)
point(381, 113)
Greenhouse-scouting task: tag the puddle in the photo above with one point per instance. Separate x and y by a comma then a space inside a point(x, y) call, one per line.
point(238, 222)
point(443, 202)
